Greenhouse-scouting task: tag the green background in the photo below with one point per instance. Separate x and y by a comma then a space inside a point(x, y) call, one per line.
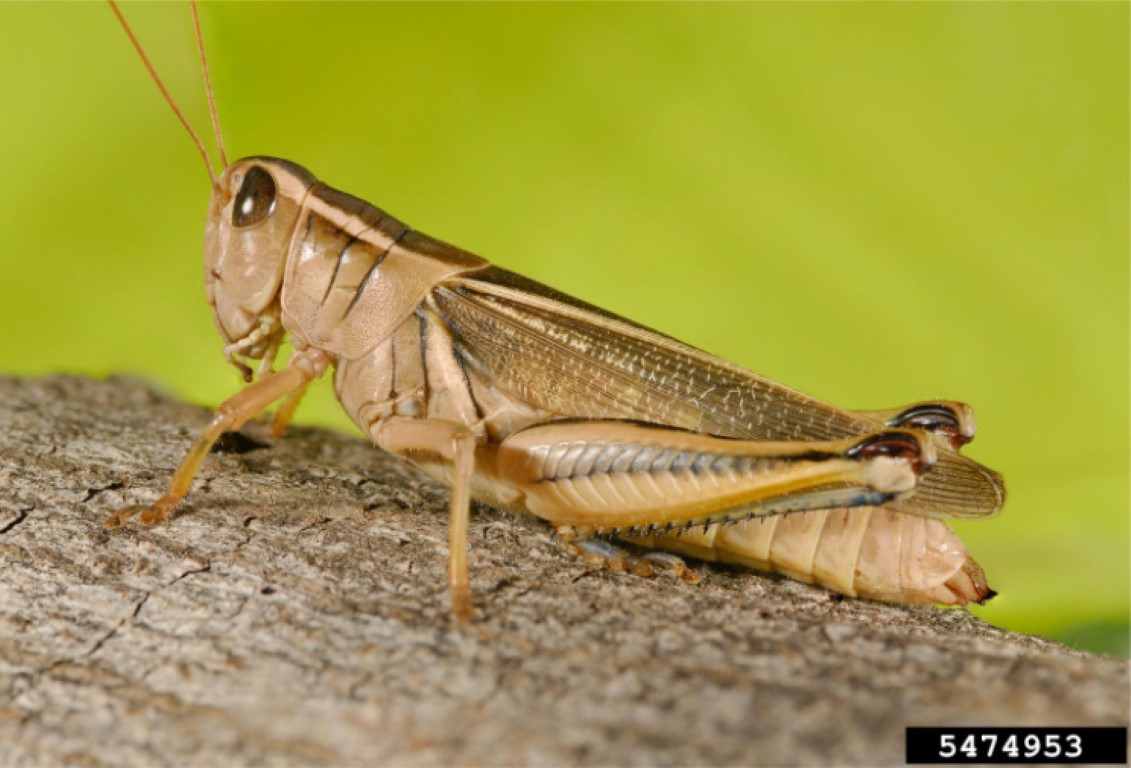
point(874, 203)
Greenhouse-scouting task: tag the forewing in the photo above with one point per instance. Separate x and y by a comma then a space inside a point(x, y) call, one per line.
point(569, 357)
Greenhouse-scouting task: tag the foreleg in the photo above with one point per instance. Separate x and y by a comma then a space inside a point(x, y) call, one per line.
point(301, 369)
point(287, 410)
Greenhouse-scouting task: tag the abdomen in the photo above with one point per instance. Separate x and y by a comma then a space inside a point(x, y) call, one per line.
point(868, 552)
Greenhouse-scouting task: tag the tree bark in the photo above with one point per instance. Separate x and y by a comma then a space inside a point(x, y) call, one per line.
point(295, 612)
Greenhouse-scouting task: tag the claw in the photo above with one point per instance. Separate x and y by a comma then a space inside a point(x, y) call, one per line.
point(122, 516)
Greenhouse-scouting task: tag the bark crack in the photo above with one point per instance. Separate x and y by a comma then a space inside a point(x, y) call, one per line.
point(21, 515)
point(117, 627)
point(92, 493)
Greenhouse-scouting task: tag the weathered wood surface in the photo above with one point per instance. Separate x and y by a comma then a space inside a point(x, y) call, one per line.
point(296, 613)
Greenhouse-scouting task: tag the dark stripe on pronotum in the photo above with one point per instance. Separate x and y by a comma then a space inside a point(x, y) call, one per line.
point(337, 267)
point(372, 269)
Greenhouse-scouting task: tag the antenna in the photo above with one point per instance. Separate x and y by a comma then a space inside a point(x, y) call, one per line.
point(208, 85)
point(164, 91)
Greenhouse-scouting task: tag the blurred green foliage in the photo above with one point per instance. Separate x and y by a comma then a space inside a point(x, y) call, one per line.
point(873, 202)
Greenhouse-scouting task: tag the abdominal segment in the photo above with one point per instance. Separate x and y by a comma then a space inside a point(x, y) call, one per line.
point(868, 552)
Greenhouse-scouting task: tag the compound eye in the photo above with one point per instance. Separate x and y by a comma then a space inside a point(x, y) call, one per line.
point(255, 200)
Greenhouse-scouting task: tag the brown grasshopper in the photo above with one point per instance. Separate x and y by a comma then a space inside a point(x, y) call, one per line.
point(527, 399)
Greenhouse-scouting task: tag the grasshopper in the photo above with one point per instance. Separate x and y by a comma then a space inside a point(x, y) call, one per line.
point(524, 398)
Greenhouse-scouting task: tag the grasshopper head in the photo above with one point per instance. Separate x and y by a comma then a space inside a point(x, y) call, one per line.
point(256, 204)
